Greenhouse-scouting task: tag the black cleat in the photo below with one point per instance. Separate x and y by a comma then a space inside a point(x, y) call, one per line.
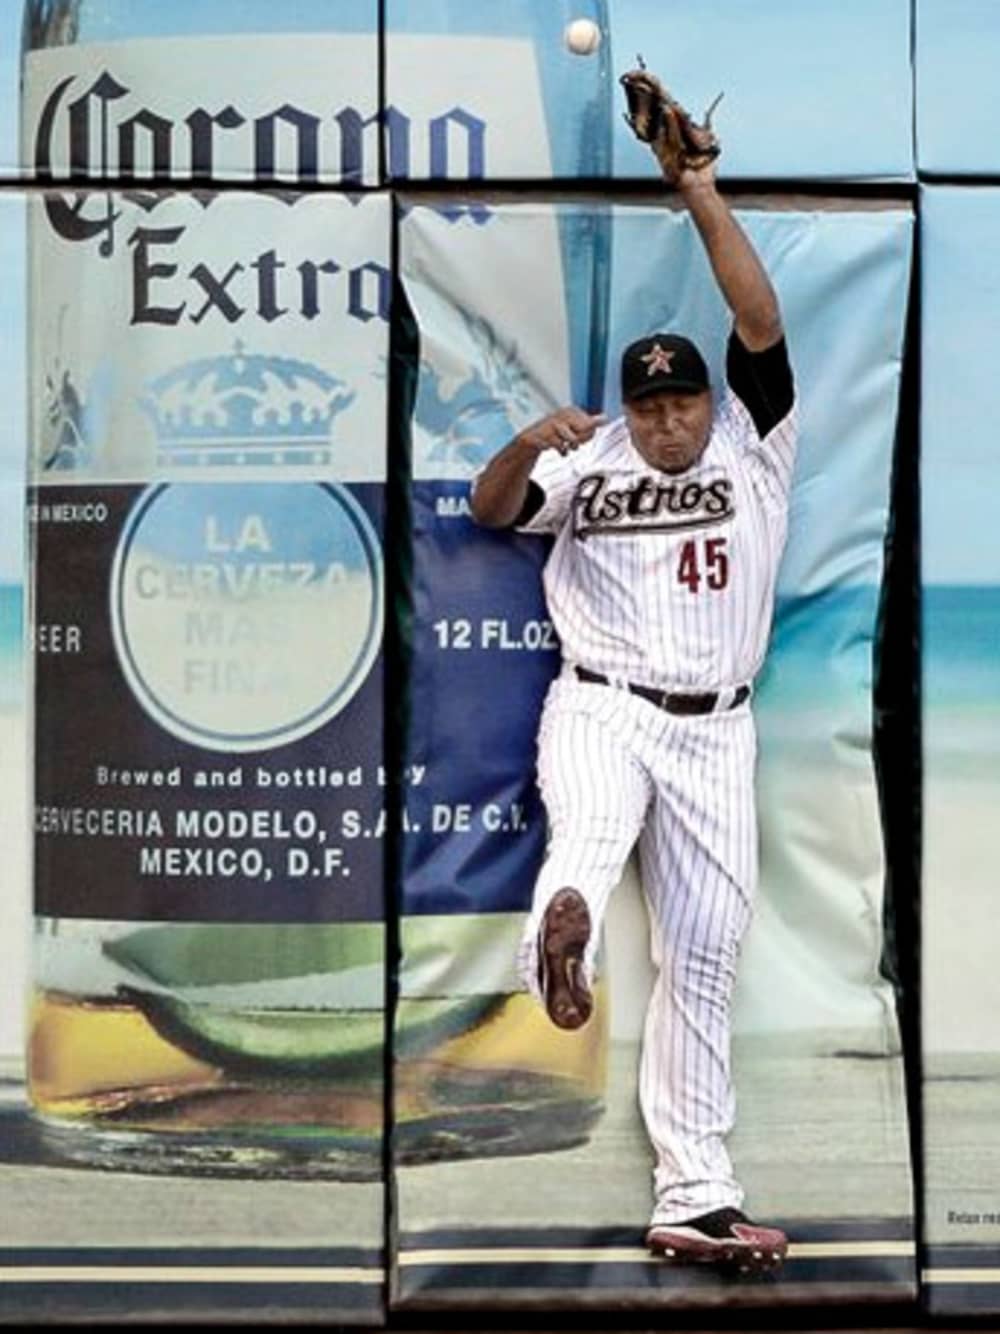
point(562, 939)
point(724, 1237)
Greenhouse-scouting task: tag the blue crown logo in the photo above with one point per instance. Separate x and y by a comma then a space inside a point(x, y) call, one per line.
point(243, 409)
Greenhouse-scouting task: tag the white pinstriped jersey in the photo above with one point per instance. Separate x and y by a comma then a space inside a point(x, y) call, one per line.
point(664, 579)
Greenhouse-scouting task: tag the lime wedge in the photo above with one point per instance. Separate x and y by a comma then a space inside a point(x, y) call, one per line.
point(186, 955)
point(306, 1043)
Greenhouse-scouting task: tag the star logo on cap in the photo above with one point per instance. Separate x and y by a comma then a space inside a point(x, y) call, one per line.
point(657, 359)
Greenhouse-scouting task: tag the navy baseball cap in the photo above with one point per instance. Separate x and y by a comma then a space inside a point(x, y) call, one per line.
point(661, 363)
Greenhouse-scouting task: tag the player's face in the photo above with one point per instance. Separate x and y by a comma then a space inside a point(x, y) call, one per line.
point(670, 431)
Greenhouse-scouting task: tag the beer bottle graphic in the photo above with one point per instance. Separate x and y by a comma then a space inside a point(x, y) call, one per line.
point(208, 463)
point(207, 467)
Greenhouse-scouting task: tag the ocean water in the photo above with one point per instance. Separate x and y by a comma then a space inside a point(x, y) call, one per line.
point(961, 643)
point(961, 675)
point(815, 688)
point(11, 640)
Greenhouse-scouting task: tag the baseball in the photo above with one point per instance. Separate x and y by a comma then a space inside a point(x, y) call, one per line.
point(583, 37)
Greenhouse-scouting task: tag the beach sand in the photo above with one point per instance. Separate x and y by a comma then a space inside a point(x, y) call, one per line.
point(961, 997)
point(961, 855)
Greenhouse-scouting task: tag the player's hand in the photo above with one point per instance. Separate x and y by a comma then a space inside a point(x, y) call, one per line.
point(696, 174)
point(564, 430)
point(697, 178)
point(694, 179)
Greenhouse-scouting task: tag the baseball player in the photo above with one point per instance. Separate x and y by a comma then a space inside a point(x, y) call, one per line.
point(669, 523)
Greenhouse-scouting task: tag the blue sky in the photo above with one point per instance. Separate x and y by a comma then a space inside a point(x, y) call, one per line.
point(960, 464)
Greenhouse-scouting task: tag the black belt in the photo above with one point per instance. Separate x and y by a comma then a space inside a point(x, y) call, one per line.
point(665, 699)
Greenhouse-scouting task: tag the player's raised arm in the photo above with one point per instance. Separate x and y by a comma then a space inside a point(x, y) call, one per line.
point(738, 270)
point(687, 153)
point(501, 489)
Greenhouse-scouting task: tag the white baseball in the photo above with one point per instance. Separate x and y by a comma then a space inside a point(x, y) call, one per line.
point(583, 37)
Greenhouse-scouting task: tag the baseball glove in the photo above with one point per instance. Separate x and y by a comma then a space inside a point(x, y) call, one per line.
point(678, 142)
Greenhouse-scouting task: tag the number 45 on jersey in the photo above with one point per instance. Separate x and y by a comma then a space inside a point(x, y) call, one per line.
point(703, 560)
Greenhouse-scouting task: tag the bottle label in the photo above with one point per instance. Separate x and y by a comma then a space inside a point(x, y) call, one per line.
point(208, 722)
point(244, 616)
point(208, 336)
point(208, 466)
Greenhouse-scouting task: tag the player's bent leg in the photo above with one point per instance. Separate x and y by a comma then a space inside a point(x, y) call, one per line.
point(562, 943)
point(581, 868)
point(596, 796)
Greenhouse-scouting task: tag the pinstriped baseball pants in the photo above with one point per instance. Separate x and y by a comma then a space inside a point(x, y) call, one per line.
point(614, 769)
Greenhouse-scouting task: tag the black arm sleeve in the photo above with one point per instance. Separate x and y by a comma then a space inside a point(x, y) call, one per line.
point(762, 381)
point(533, 502)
